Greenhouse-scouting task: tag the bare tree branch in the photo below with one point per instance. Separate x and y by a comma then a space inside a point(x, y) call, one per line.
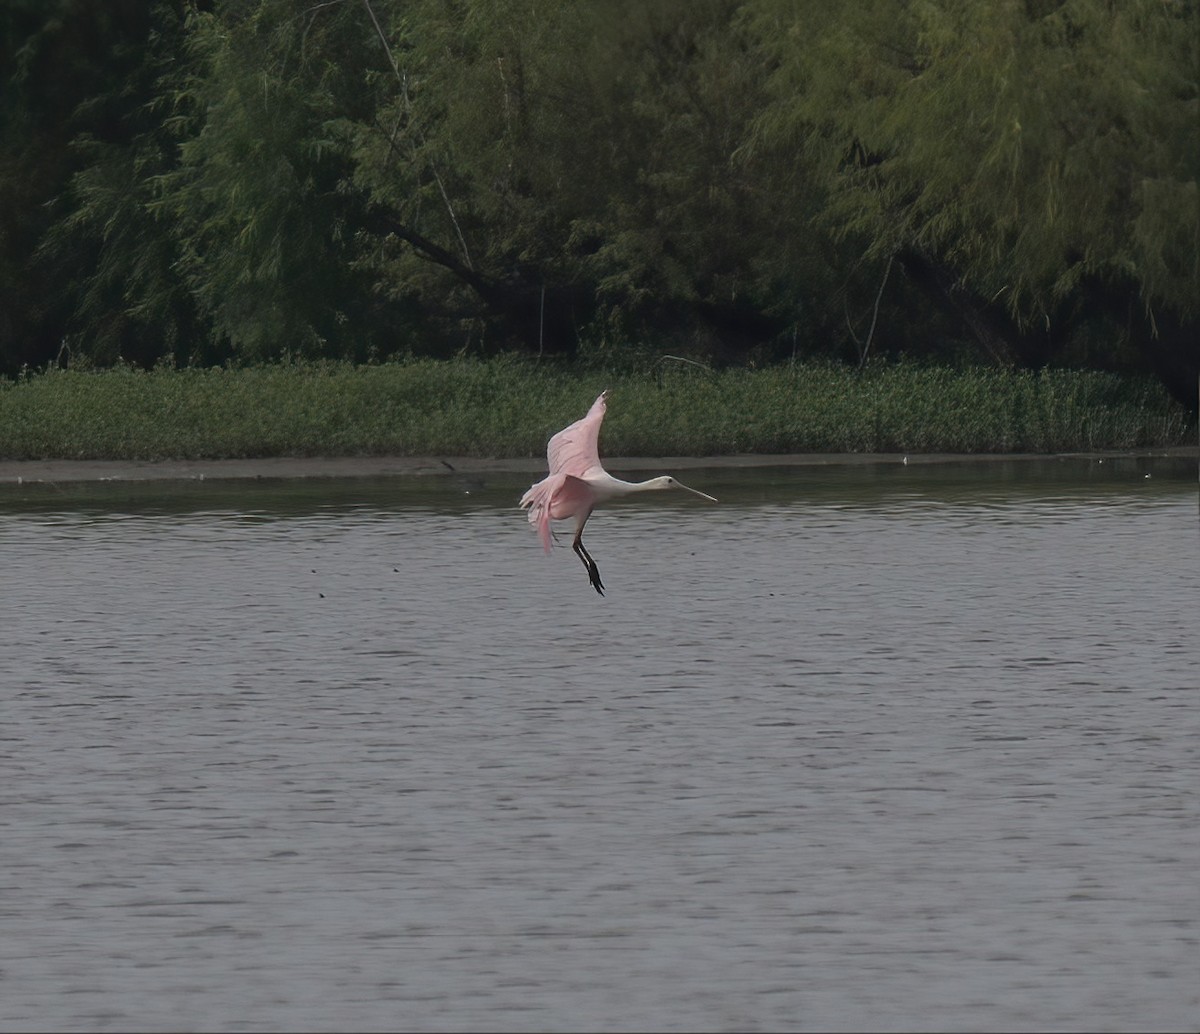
point(400, 78)
point(862, 360)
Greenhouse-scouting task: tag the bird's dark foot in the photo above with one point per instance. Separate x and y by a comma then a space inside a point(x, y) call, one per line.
point(594, 576)
point(592, 570)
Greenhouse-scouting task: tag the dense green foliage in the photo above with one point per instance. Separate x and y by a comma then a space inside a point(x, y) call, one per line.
point(508, 407)
point(735, 180)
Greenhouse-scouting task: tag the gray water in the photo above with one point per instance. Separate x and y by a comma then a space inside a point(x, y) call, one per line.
point(859, 748)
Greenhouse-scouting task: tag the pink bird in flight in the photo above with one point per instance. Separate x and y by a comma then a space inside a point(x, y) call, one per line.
point(577, 484)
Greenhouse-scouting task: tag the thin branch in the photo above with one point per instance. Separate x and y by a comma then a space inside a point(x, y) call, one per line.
point(682, 359)
point(875, 315)
point(542, 319)
point(383, 39)
point(850, 323)
point(462, 240)
point(453, 218)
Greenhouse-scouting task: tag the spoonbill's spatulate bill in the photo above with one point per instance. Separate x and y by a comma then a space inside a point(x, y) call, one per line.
point(578, 484)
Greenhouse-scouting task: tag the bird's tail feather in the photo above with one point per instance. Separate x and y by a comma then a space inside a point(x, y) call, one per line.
point(538, 500)
point(543, 527)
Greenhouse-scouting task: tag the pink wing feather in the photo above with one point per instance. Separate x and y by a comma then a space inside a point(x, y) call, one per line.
point(576, 448)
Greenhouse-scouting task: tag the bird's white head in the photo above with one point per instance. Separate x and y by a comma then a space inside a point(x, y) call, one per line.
point(666, 481)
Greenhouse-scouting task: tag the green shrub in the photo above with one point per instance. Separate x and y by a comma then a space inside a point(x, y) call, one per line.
point(509, 407)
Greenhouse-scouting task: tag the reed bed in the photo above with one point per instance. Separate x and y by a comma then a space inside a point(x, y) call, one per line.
point(507, 408)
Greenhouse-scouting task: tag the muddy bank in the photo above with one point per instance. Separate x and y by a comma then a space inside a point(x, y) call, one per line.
point(32, 471)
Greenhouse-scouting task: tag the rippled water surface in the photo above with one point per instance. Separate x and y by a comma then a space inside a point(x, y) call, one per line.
point(859, 748)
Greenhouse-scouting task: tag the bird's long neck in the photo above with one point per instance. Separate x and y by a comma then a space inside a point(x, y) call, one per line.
point(612, 487)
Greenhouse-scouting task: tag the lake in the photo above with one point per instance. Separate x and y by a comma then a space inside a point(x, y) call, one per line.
point(864, 746)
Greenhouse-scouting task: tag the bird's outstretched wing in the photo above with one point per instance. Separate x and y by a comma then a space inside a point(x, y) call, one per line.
point(576, 448)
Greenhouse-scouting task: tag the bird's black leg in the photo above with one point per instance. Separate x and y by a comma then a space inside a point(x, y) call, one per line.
point(592, 570)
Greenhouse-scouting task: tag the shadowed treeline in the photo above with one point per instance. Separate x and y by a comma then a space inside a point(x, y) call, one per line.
point(734, 181)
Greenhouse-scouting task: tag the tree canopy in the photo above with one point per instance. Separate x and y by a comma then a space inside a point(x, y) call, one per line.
point(739, 180)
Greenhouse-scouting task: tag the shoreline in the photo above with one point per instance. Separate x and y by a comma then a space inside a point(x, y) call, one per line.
point(23, 472)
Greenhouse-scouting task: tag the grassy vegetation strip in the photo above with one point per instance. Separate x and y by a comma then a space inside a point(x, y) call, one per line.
point(509, 408)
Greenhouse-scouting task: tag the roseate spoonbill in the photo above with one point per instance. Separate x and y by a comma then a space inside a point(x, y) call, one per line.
point(578, 484)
